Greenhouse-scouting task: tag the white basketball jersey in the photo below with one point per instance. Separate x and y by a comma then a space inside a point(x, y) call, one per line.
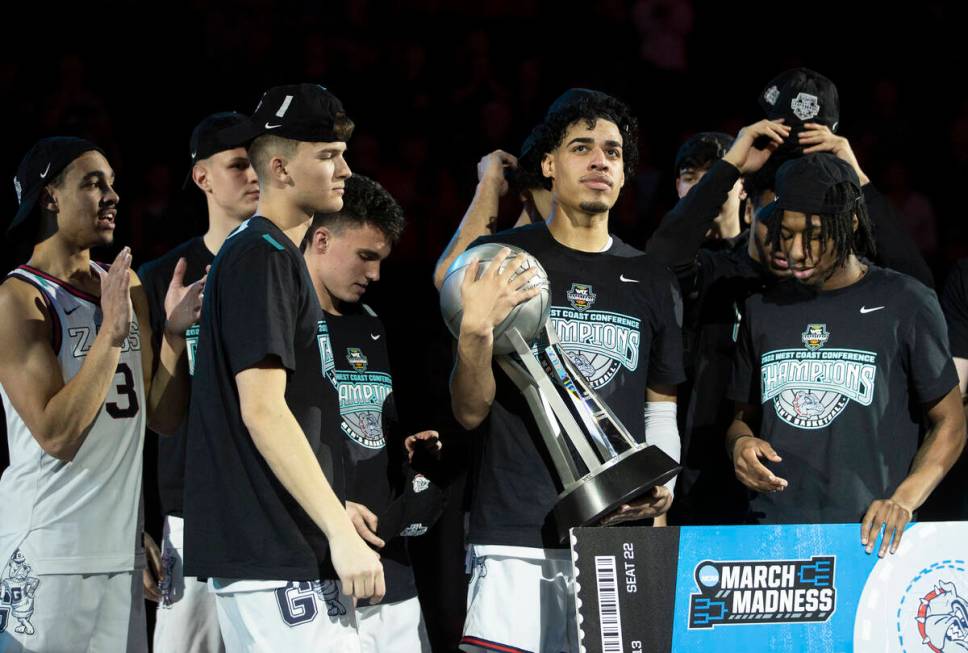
point(82, 516)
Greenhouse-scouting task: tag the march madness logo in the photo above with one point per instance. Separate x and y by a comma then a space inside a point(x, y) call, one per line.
point(810, 387)
point(738, 593)
point(581, 296)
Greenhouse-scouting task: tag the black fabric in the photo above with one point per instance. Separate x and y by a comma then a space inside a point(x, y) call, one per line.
point(366, 426)
point(954, 302)
point(896, 249)
point(259, 306)
point(155, 276)
point(841, 377)
point(591, 308)
point(803, 184)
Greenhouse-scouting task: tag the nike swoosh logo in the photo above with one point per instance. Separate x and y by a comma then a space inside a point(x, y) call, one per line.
point(43, 175)
point(68, 312)
point(374, 337)
point(622, 277)
point(864, 310)
point(268, 126)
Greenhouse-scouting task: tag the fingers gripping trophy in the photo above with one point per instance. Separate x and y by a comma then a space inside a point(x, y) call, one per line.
point(598, 463)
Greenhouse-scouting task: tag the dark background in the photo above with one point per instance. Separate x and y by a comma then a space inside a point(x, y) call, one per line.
point(435, 85)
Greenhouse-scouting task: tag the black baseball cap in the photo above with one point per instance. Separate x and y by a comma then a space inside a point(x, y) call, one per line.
point(803, 184)
point(702, 149)
point(208, 137)
point(41, 165)
point(802, 95)
point(301, 112)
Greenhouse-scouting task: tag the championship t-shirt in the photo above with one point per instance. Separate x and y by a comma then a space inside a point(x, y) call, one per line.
point(240, 522)
point(841, 377)
point(155, 277)
point(617, 316)
point(359, 368)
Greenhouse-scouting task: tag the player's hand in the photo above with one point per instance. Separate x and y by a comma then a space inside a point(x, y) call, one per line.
point(748, 158)
point(183, 304)
point(893, 516)
point(365, 523)
point(655, 503)
point(490, 170)
point(116, 298)
point(430, 440)
point(488, 300)
point(154, 572)
point(358, 567)
point(747, 452)
point(818, 138)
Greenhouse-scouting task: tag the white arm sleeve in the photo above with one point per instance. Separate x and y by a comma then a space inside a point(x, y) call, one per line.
point(662, 430)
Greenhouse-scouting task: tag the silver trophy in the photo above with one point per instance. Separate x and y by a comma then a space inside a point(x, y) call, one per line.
point(599, 464)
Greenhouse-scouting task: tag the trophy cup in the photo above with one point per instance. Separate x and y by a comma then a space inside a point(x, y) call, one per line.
point(599, 464)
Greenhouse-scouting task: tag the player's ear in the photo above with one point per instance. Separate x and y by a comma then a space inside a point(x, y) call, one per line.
point(548, 166)
point(48, 201)
point(854, 223)
point(321, 240)
point(200, 177)
point(278, 170)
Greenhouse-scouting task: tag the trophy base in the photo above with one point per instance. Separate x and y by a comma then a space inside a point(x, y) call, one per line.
point(621, 480)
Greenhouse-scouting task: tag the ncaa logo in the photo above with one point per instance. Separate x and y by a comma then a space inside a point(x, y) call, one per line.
point(921, 592)
point(805, 106)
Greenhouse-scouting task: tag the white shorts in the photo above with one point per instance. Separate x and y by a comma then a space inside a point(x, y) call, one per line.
point(520, 600)
point(274, 616)
point(393, 628)
point(67, 613)
point(186, 620)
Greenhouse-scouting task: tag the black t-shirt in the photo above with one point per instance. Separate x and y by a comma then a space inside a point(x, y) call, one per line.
point(358, 365)
point(617, 316)
point(954, 303)
point(841, 377)
point(240, 522)
point(155, 276)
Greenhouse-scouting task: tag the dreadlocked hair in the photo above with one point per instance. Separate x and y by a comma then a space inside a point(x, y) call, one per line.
point(550, 133)
point(836, 226)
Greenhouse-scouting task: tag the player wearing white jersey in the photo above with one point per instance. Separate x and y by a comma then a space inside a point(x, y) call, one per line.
point(76, 398)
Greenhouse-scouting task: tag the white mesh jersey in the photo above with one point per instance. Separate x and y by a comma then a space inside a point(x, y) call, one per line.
point(82, 516)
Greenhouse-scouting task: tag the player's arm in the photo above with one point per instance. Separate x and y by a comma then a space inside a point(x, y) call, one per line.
point(748, 451)
point(937, 453)
point(683, 230)
point(167, 388)
point(487, 301)
point(59, 415)
point(481, 216)
point(280, 440)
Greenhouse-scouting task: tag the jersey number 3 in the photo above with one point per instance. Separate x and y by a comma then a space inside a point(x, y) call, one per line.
point(126, 391)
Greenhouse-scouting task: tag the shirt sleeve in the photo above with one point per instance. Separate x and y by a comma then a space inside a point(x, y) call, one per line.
point(926, 353)
point(954, 304)
point(744, 384)
point(666, 355)
point(258, 308)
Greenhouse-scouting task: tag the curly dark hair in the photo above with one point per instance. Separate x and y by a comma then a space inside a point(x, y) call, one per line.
point(548, 135)
point(365, 201)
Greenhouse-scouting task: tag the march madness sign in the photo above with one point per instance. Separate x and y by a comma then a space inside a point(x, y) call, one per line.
point(795, 589)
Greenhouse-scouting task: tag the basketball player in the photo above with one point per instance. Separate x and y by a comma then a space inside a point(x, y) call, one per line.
point(344, 251)
point(264, 515)
point(522, 591)
point(833, 363)
point(76, 388)
point(186, 619)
